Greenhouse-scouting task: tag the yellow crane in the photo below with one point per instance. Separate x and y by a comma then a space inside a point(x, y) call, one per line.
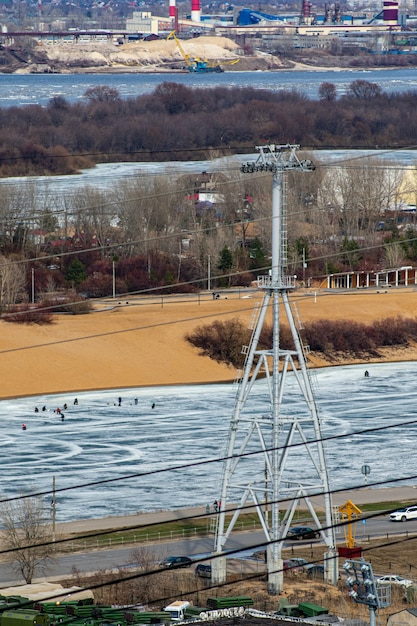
point(350, 513)
point(185, 56)
point(232, 62)
point(197, 64)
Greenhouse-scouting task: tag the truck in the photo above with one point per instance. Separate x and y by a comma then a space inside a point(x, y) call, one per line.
point(177, 610)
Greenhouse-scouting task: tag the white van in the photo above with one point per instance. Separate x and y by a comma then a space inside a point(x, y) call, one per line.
point(177, 610)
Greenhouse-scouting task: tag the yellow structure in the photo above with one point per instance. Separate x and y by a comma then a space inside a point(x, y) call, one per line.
point(184, 55)
point(349, 512)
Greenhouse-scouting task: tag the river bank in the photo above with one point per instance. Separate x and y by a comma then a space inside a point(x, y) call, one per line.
point(165, 56)
point(358, 496)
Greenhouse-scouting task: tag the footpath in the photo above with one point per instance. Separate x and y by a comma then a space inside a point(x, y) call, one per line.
point(407, 494)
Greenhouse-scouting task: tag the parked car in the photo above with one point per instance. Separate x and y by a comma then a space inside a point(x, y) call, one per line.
point(314, 571)
point(203, 570)
point(291, 567)
point(176, 561)
point(393, 579)
point(403, 515)
point(302, 532)
point(299, 561)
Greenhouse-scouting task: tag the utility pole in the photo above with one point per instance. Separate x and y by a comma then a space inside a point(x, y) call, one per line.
point(304, 267)
point(208, 273)
point(114, 279)
point(275, 432)
point(53, 503)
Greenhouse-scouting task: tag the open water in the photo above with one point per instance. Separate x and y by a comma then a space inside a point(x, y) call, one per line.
point(99, 440)
point(23, 89)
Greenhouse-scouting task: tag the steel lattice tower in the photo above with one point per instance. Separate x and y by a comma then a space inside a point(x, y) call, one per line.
point(276, 432)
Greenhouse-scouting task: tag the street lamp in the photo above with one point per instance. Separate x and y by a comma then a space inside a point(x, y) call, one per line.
point(33, 285)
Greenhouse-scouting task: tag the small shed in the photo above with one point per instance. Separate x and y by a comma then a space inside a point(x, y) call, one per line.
point(47, 591)
point(406, 617)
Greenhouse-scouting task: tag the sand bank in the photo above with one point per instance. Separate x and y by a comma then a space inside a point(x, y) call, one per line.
point(142, 343)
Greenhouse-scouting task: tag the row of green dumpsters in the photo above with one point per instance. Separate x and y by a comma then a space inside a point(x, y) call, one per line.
point(20, 611)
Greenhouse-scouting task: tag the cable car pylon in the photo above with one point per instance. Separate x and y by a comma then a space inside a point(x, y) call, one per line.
point(274, 481)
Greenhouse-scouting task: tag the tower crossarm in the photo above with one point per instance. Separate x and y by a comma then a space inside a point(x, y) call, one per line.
point(275, 158)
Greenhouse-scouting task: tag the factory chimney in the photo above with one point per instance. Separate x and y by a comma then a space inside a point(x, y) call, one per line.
point(195, 10)
point(390, 12)
point(305, 16)
point(172, 7)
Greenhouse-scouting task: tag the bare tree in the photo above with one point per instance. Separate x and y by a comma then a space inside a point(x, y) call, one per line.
point(92, 216)
point(27, 532)
point(357, 195)
point(393, 255)
point(144, 560)
point(12, 281)
point(150, 215)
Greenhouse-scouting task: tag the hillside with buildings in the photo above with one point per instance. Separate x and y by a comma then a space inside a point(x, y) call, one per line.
point(381, 34)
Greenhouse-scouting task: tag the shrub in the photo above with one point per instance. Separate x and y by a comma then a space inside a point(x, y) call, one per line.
point(28, 314)
point(221, 341)
point(68, 303)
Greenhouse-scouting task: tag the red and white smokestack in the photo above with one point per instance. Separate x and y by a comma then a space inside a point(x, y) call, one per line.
point(172, 9)
point(195, 10)
point(390, 12)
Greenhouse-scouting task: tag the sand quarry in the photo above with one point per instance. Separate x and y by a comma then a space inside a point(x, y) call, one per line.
point(148, 56)
point(138, 342)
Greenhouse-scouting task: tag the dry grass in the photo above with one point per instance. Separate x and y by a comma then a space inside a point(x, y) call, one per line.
point(248, 578)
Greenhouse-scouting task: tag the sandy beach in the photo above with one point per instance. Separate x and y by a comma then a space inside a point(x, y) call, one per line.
point(142, 342)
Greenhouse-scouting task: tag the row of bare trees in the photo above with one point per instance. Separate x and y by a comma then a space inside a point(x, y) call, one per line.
point(336, 210)
point(185, 122)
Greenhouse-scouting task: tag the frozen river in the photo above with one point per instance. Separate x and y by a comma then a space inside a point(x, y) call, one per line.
point(56, 190)
point(100, 440)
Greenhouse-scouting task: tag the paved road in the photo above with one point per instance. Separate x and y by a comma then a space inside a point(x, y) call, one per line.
point(202, 546)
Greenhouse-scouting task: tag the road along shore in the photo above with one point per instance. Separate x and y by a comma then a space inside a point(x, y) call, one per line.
point(406, 494)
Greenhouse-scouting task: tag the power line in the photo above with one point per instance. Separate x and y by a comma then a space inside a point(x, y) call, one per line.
point(137, 575)
point(222, 459)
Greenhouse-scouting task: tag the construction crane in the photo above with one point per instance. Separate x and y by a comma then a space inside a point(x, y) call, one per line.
point(184, 55)
point(194, 64)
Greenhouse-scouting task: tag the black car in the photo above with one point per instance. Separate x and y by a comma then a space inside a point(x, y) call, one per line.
point(315, 571)
point(176, 561)
point(302, 532)
point(203, 570)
